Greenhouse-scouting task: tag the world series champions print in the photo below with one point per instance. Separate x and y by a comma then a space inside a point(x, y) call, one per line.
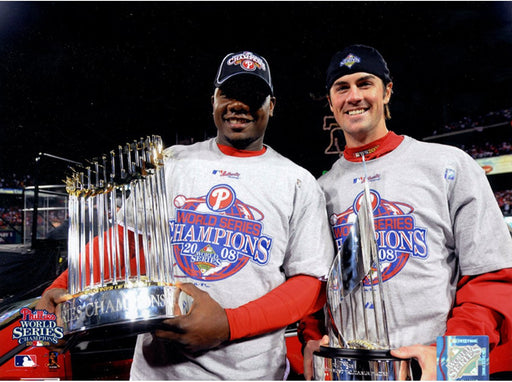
point(214, 236)
point(397, 235)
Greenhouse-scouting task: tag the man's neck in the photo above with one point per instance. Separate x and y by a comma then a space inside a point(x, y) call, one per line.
point(374, 149)
point(247, 144)
point(234, 152)
point(357, 140)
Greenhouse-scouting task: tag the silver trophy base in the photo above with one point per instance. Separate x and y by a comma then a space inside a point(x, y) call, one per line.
point(337, 364)
point(122, 308)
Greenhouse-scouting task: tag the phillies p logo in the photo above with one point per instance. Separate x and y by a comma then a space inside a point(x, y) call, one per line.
point(220, 198)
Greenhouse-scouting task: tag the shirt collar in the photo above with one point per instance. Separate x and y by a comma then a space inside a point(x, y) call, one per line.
point(374, 149)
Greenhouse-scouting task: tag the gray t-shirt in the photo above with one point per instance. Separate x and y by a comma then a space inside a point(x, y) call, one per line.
point(239, 227)
point(436, 218)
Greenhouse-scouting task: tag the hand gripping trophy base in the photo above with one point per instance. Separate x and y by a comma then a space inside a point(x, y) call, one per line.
point(122, 309)
point(343, 364)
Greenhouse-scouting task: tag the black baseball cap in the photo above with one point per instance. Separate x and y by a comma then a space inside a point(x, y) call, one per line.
point(357, 58)
point(244, 63)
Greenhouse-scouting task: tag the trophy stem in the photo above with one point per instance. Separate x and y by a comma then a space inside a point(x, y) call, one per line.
point(90, 213)
point(136, 223)
point(365, 316)
point(115, 246)
point(99, 222)
point(73, 242)
point(166, 244)
point(145, 234)
point(82, 240)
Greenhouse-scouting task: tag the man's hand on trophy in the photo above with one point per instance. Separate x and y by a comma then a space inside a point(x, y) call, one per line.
point(49, 301)
point(425, 355)
point(204, 327)
point(309, 349)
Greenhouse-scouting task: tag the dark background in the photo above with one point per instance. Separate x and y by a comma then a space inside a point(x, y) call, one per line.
point(79, 78)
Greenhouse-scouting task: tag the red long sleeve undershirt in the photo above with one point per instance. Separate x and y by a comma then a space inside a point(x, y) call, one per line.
point(297, 297)
point(483, 306)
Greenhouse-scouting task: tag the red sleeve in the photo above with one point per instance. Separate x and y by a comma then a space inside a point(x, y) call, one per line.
point(284, 305)
point(482, 307)
point(62, 280)
point(312, 326)
point(59, 282)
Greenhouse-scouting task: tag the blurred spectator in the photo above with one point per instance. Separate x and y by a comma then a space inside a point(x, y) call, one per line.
point(504, 199)
point(487, 149)
point(10, 216)
point(15, 181)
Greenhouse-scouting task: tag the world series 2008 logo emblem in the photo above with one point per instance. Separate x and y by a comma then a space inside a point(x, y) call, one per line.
point(398, 237)
point(350, 60)
point(216, 235)
point(37, 328)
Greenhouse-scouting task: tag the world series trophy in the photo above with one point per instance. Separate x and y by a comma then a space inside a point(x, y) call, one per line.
point(120, 261)
point(356, 321)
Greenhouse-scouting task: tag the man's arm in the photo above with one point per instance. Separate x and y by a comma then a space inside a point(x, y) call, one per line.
point(480, 307)
point(207, 325)
point(57, 293)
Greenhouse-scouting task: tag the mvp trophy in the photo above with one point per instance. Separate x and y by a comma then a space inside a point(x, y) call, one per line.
point(356, 312)
point(120, 262)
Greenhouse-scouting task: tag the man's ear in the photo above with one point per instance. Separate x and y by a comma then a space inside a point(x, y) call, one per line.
point(387, 92)
point(329, 100)
point(215, 91)
point(272, 106)
point(213, 97)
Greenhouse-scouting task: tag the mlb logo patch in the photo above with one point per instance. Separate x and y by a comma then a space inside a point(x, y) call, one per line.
point(449, 174)
point(25, 360)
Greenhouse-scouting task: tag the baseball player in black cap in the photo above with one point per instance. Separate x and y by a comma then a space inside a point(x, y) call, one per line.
point(445, 251)
point(250, 239)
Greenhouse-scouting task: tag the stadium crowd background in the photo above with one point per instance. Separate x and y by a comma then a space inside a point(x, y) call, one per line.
point(12, 180)
point(469, 122)
point(497, 143)
point(490, 148)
